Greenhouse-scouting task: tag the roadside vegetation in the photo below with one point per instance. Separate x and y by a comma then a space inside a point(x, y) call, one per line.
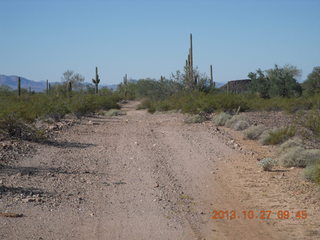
point(275, 89)
point(18, 112)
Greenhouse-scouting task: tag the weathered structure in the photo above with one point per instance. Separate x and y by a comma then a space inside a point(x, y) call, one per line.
point(237, 86)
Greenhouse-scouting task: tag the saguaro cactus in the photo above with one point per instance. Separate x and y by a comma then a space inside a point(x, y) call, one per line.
point(96, 81)
point(191, 58)
point(125, 83)
point(125, 79)
point(47, 86)
point(19, 86)
point(212, 84)
point(70, 89)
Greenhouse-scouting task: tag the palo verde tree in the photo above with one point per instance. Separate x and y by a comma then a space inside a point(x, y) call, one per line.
point(259, 83)
point(312, 84)
point(70, 81)
point(278, 81)
point(96, 81)
point(283, 81)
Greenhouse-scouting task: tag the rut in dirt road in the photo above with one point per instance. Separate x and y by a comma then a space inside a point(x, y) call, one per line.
point(138, 176)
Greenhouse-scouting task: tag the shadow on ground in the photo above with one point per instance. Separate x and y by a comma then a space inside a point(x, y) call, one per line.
point(31, 171)
point(66, 144)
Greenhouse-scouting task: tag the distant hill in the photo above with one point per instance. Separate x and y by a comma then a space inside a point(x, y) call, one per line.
point(40, 86)
point(218, 84)
point(12, 82)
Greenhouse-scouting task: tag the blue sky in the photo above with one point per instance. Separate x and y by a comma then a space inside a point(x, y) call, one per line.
point(40, 39)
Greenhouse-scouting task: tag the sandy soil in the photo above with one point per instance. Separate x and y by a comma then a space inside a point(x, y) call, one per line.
point(144, 176)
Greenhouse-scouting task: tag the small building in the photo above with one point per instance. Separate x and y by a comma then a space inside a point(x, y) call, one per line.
point(237, 86)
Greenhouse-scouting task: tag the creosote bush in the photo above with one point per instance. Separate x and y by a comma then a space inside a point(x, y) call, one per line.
point(221, 118)
point(12, 127)
point(254, 132)
point(18, 114)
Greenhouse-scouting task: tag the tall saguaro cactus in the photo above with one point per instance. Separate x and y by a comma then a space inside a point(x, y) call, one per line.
point(47, 86)
point(212, 84)
point(191, 58)
point(191, 82)
point(70, 89)
point(19, 86)
point(96, 81)
point(125, 83)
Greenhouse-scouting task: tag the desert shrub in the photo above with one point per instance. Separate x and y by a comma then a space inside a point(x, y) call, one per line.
point(254, 132)
point(312, 172)
point(267, 164)
point(221, 118)
point(241, 125)
point(299, 157)
point(265, 136)
point(235, 118)
point(312, 121)
point(294, 142)
point(277, 136)
point(82, 105)
point(145, 104)
point(13, 127)
point(195, 119)
point(114, 112)
point(152, 110)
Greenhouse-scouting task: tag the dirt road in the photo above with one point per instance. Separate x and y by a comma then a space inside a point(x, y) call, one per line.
point(134, 177)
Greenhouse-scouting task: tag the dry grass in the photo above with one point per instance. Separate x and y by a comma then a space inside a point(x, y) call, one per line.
point(241, 125)
point(221, 119)
point(232, 121)
point(277, 136)
point(312, 172)
point(114, 112)
point(299, 157)
point(195, 119)
point(294, 142)
point(254, 132)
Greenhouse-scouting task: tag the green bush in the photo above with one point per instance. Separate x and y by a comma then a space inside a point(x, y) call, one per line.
point(24, 110)
point(196, 102)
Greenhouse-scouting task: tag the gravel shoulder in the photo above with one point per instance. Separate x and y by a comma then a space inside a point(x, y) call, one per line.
point(144, 176)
